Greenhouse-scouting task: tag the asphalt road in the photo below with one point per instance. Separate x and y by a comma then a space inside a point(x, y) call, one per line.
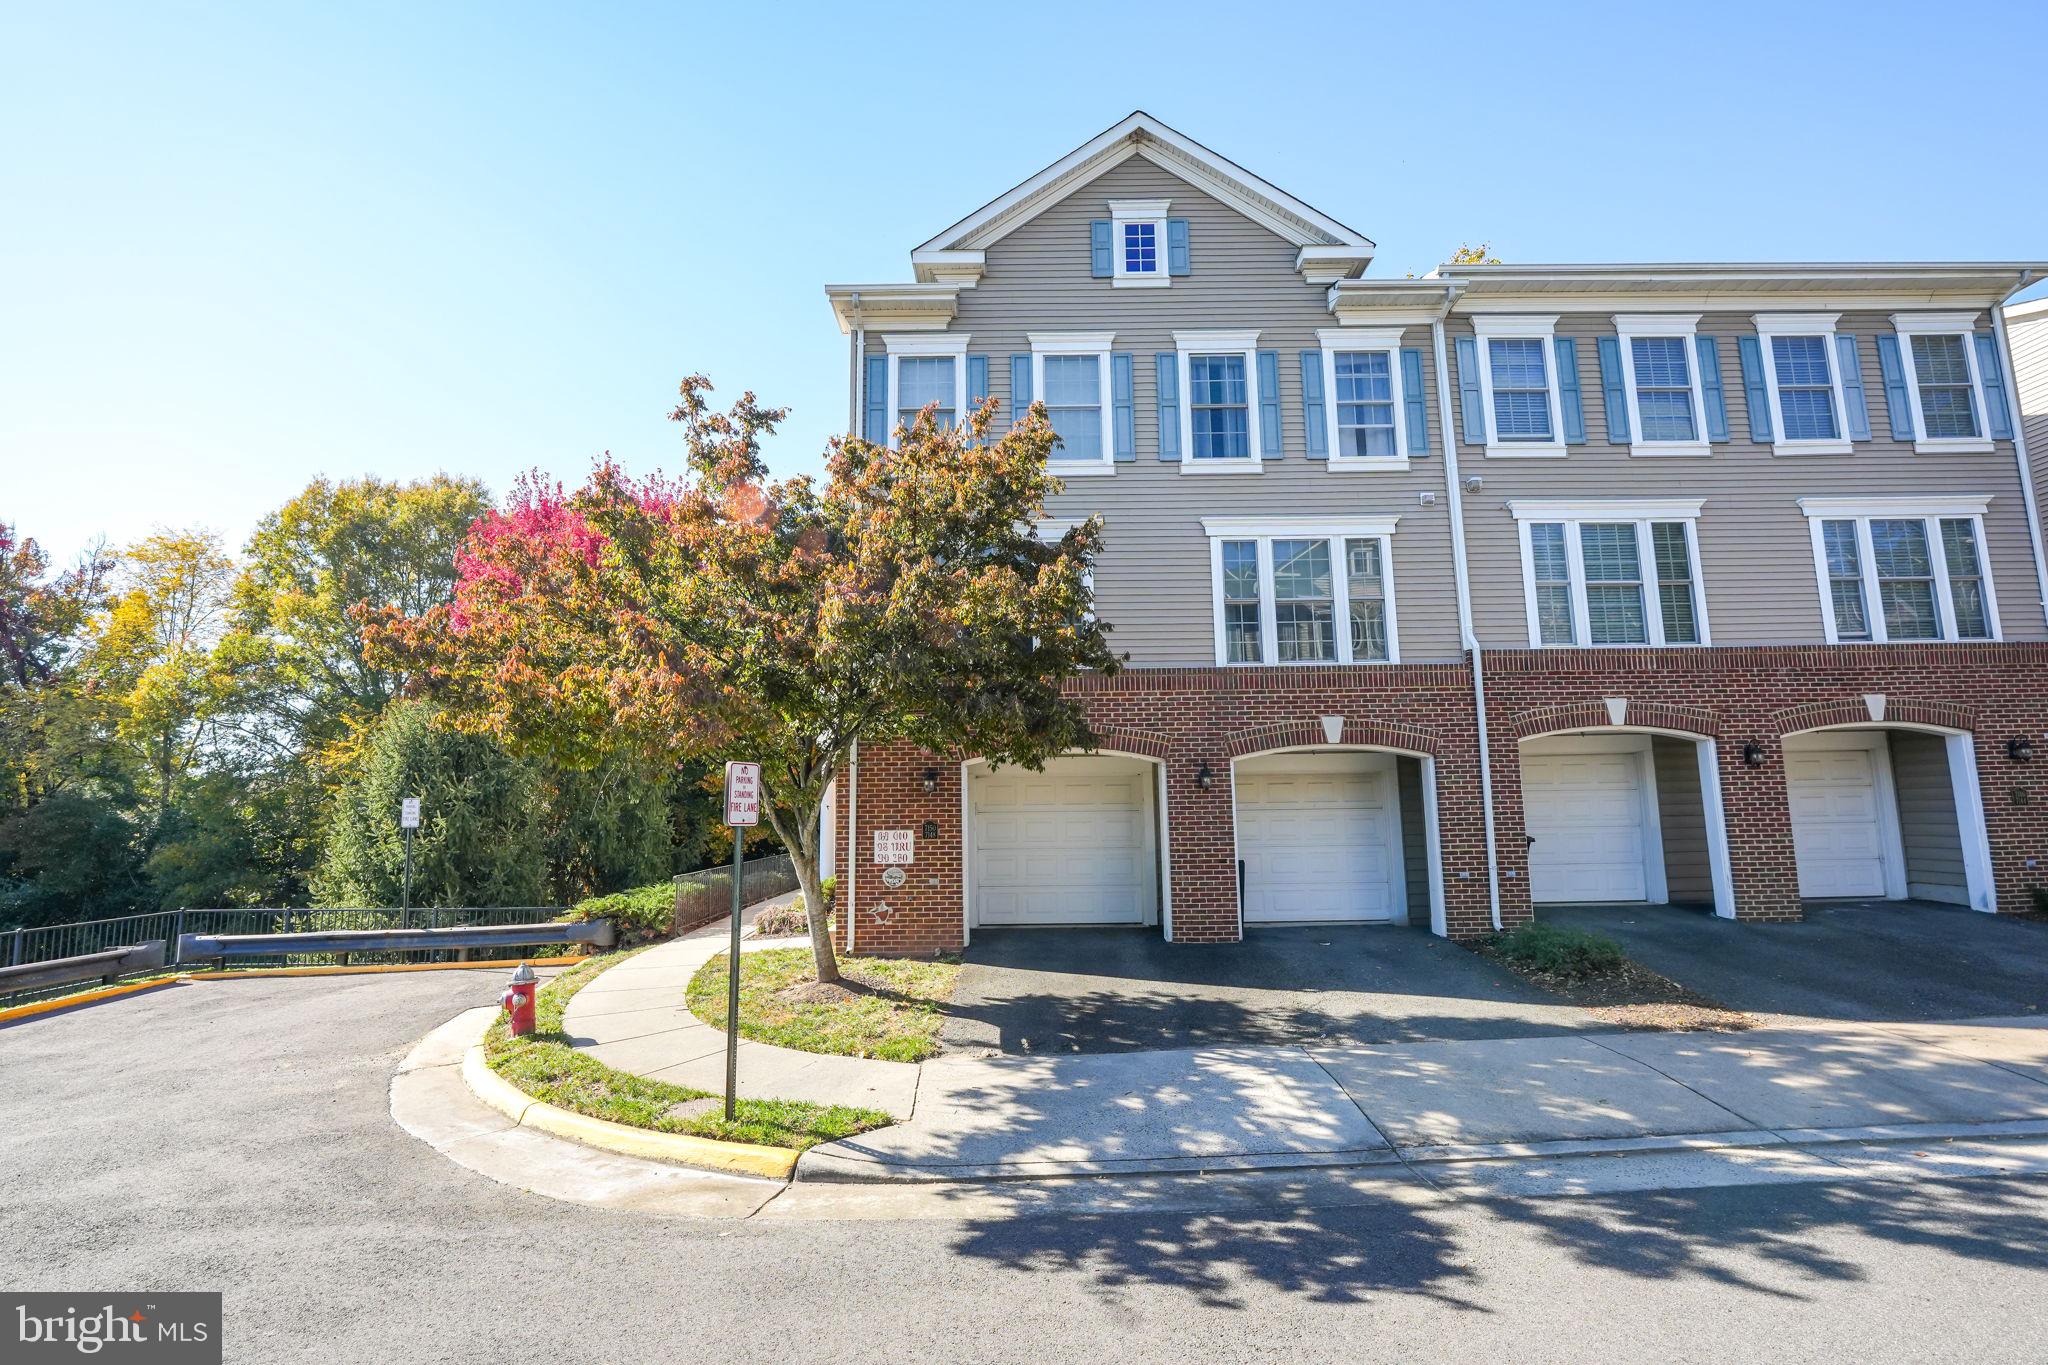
point(237, 1136)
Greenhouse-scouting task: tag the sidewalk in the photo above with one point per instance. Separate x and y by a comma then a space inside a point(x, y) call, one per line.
point(1276, 1107)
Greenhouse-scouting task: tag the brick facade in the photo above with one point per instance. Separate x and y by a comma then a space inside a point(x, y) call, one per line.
point(1192, 718)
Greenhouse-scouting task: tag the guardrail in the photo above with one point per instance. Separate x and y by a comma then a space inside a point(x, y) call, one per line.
point(21, 946)
point(65, 971)
point(221, 948)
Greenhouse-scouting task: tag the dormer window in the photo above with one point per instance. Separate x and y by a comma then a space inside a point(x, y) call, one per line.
point(1138, 245)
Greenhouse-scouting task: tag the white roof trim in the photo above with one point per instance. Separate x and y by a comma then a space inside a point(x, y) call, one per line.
point(1911, 505)
point(1217, 528)
point(1605, 509)
point(1141, 134)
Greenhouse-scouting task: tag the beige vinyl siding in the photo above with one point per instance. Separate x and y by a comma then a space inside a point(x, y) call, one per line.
point(2028, 335)
point(1682, 821)
point(1928, 828)
point(1153, 583)
point(1414, 840)
point(1755, 551)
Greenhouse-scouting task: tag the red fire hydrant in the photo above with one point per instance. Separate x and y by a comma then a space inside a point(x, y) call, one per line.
point(518, 1000)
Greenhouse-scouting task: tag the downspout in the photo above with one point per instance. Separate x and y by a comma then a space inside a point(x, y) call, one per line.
point(1454, 489)
point(852, 874)
point(2019, 438)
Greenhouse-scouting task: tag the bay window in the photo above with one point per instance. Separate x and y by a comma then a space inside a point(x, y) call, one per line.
point(1295, 590)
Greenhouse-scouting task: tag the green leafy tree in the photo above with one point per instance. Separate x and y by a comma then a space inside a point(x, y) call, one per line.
point(1467, 254)
point(725, 616)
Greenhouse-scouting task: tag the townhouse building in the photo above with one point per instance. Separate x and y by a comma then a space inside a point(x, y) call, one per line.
point(1445, 598)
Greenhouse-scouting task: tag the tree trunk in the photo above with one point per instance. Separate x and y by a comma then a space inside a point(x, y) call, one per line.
point(803, 856)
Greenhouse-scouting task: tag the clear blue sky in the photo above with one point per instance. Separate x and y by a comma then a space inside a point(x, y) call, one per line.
point(241, 245)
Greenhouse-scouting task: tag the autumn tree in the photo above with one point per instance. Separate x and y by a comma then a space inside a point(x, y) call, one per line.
point(721, 615)
point(1467, 254)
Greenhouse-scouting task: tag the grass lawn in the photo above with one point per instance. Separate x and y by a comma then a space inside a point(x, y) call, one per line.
point(547, 1068)
point(892, 1011)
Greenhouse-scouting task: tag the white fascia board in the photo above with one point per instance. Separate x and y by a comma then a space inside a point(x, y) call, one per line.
point(1141, 133)
point(1908, 505)
point(1657, 324)
point(964, 268)
point(1248, 528)
point(1605, 509)
point(1935, 324)
point(903, 307)
point(1382, 338)
point(953, 343)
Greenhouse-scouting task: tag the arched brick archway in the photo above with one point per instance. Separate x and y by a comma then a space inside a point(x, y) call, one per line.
point(1875, 709)
point(1123, 739)
point(1636, 715)
point(1299, 734)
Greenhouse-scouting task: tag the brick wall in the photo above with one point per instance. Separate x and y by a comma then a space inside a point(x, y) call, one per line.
point(1195, 717)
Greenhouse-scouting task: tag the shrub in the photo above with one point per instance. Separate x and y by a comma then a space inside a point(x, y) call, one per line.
point(640, 915)
point(1569, 954)
point(786, 921)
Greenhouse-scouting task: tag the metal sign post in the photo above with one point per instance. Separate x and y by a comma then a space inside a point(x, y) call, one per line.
point(742, 813)
point(408, 820)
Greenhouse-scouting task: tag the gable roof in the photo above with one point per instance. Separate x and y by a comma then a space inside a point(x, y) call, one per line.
point(1143, 135)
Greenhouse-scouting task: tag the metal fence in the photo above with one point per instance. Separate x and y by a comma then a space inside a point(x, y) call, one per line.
point(706, 895)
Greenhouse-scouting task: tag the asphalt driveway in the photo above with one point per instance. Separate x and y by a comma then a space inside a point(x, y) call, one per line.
point(1039, 991)
point(1879, 960)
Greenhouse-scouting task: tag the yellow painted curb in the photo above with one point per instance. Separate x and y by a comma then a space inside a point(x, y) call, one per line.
point(65, 1002)
point(739, 1158)
point(253, 973)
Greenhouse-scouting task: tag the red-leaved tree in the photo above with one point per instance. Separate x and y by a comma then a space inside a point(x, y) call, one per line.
point(723, 616)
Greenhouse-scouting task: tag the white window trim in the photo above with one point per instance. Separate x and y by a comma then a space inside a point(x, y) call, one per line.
point(1128, 211)
point(1932, 512)
point(1246, 344)
point(1527, 512)
point(1335, 340)
point(1050, 532)
point(1822, 325)
point(1489, 327)
point(1964, 325)
point(1096, 344)
point(1265, 530)
point(952, 344)
point(1630, 326)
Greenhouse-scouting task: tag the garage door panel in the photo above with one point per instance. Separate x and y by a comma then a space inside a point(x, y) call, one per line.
point(1586, 813)
point(1062, 847)
point(1316, 846)
point(1838, 828)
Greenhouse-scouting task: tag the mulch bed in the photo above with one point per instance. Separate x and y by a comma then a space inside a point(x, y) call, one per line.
point(1632, 997)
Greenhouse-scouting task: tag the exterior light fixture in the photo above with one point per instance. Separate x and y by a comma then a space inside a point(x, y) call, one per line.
point(2020, 749)
point(1205, 779)
point(1753, 755)
point(931, 780)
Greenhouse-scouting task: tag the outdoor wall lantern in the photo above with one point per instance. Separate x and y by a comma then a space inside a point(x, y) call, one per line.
point(1205, 779)
point(931, 780)
point(2020, 749)
point(1753, 755)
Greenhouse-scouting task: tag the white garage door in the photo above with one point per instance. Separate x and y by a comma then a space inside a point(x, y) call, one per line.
point(1319, 845)
point(1838, 828)
point(1587, 814)
point(1070, 845)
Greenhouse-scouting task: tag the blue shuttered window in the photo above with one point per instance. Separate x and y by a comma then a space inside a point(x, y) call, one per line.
point(1124, 416)
point(977, 380)
point(1998, 414)
point(1520, 374)
point(1100, 263)
point(1755, 396)
point(1314, 420)
point(1412, 400)
point(1269, 405)
point(1020, 386)
point(1471, 403)
point(1176, 246)
point(1898, 404)
point(1166, 374)
point(1708, 351)
point(1613, 398)
point(1850, 366)
point(1568, 397)
point(876, 428)
point(1806, 394)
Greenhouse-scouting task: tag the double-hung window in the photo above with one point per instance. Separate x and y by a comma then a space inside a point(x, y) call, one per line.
point(1366, 397)
point(1611, 573)
point(1138, 242)
point(927, 370)
point(1303, 591)
point(1902, 569)
point(1802, 379)
point(1943, 387)
point(1519, 385)
point(1071, 377)
point(1664, 384)
point(1219, 430)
